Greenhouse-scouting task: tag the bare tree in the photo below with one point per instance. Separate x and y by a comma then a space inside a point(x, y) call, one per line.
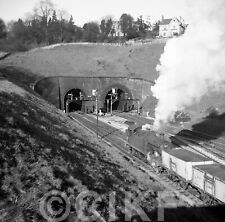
point(43, 11)
point(63, 14)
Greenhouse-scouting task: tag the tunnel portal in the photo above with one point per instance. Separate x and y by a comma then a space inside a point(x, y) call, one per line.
point(73, 100)
point(76, 93)
point(119, 100)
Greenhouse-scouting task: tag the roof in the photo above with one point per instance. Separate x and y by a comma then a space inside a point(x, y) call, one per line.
point(215, 170)
point(186, 155)
point(165, 21)
point(134, 127)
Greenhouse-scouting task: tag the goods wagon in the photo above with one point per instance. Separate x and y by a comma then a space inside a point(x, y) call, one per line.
point(181, 161)
point(211, 179)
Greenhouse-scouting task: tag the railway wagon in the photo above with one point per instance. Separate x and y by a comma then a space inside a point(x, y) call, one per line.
point(211, 179)
point(181, 162)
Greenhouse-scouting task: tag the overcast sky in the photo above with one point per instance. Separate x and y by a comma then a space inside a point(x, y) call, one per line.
point(93, 10)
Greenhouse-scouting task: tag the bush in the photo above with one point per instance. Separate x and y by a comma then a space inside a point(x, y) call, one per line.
point(9, 45)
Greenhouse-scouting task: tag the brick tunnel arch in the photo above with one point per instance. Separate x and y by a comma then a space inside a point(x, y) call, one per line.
point(121, 102)
point(73, 100)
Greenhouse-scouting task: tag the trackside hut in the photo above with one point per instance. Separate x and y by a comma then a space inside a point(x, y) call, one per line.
point(181, 161)
point(211, 179)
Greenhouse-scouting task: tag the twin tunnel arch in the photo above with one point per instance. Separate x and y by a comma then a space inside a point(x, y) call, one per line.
point(131, 93)
point(121, 100)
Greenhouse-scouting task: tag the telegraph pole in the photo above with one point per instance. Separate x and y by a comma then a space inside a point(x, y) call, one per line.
point(107, 105)
point(95, 93)
point(114, 93)
point(97, 112)
point(111, 104)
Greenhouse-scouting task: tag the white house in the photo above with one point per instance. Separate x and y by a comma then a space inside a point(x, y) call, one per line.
point(117, 29)
point(170, 27)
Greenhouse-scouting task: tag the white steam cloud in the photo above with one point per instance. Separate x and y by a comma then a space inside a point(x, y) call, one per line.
point(193, 64)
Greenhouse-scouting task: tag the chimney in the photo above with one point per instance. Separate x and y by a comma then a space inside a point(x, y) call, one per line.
point(162, 17)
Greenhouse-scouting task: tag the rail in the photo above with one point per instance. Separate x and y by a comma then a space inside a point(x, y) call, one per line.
point(183, 194)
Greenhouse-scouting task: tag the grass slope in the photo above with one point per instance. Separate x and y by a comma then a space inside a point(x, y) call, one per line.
point(90, 60)
point(42, 149)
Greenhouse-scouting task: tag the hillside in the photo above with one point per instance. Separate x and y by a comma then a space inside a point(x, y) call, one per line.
point(90, 60)
point(42, 150)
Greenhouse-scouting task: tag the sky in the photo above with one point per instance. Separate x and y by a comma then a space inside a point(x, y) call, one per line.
point(93, 10)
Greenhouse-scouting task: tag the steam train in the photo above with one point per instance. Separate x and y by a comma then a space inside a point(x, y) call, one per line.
point(194, 172)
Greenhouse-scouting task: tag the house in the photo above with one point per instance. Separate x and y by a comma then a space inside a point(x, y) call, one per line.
point(117, 29)
point(147, 21)
point(171, 27)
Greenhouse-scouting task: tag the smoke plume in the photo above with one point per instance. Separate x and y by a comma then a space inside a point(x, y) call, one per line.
point(193, 64)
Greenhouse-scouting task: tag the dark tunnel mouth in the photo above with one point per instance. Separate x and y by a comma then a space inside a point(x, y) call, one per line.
point(73, 100)
point(121, 101)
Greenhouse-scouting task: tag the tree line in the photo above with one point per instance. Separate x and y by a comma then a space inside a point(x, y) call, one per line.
point(46, 26)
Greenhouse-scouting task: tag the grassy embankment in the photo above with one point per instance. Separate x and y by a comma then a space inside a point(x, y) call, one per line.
point(90, 60)
point(42, 149)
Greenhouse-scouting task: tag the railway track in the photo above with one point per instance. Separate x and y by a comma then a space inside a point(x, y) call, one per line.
point(208, 145)
point(217, 151)
point(203, 138)
point(135, 118)
point(117, 139)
